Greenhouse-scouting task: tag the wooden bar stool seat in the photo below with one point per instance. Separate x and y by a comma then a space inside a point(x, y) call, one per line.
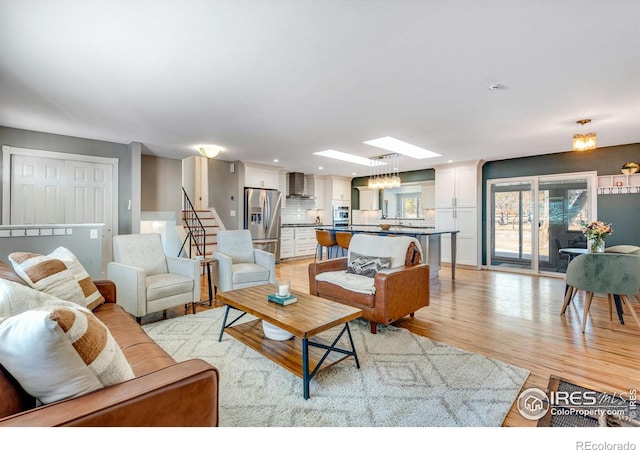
point(343, 238)
point(325, 240)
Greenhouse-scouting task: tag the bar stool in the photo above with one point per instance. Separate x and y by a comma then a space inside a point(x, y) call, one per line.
point(324, 239)
point(343, 238)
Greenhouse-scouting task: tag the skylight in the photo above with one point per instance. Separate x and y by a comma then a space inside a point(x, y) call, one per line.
point(404, 148)
point(349, 158)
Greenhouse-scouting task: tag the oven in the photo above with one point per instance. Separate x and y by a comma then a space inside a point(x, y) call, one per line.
point(340, 216)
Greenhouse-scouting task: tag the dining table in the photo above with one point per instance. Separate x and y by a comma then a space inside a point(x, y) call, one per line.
point(428, 237)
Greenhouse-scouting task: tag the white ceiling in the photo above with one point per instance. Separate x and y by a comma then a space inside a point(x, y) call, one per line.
point(283, 79)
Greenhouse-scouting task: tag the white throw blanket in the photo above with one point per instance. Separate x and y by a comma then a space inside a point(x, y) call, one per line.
point(368, 245)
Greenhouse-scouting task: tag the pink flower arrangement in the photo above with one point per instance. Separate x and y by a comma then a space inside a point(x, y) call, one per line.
point(597, 230)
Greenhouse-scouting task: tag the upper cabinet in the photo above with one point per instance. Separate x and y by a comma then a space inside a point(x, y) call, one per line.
point(457, 186)
point(257, 176)
point(428, 197)
point(340, 188)
point(369, 198)
point(319, 186)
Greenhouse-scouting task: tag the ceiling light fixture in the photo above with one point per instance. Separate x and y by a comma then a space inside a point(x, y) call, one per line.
point(404, 148)
point(348, 157)
point(210, 151)
point(384, 177)
point(582, 142)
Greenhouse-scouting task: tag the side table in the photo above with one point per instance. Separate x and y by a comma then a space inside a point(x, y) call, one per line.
point(206, 265)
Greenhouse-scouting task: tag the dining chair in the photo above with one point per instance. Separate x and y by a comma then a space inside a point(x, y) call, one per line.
point(615, 274)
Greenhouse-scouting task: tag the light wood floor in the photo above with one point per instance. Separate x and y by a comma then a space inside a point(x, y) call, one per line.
point(516, 318)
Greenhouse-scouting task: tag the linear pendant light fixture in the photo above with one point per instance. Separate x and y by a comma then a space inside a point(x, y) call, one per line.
point(582, 142)
point(385, 177)
point(404, 148)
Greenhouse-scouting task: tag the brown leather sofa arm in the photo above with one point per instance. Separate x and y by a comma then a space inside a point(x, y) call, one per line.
point(408, 284)
point(182, 395)
point(317, 267)
point(108, 290)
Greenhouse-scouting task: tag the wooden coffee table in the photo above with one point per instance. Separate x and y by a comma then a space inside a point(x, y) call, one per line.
point(306, 318)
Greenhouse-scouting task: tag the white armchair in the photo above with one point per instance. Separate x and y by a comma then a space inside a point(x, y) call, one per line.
point(239, 264)
point(147, 280)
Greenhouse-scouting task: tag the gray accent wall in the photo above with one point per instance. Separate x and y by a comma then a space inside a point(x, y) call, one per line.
point(224, 192)
point(161, 188)
point(67, 144)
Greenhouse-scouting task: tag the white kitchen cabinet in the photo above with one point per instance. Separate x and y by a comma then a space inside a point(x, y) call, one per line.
point(305, 241)
point(297, 242)
point(261, 177)
point(339, 188)
point(319, 192)
point(457, 186)
point(369, 198)
point(465, 220)
point(287, 239)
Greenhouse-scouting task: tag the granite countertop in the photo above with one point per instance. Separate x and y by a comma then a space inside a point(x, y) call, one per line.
point(394, 230)
point(298, 225)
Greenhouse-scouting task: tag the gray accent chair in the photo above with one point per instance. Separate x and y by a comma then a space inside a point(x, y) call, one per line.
point(613, 274)
point(147, 280)
point(239, 264)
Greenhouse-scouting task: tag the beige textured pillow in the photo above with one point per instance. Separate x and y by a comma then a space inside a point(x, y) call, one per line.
point(57, 352)
point(59, 274)
point(92, 295)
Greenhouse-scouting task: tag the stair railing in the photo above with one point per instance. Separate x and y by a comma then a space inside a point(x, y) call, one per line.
point(196, 234)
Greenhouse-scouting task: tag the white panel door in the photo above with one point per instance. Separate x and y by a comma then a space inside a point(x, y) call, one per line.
point(89, 195)
point(59, 191)
point(37, 190)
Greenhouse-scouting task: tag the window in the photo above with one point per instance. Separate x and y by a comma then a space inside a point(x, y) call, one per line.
point(409, 206)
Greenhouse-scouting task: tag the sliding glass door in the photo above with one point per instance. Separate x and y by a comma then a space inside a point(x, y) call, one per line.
point(563, 205)
point(530, 219)
point(511, 230)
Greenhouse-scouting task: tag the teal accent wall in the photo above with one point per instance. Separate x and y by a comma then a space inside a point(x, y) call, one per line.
point(622, 211)
point(405, 177)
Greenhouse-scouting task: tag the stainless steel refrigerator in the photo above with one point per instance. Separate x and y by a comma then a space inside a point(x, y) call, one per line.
point(262, 218)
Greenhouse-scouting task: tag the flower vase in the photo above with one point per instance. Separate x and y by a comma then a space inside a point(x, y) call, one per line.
point(596, 245)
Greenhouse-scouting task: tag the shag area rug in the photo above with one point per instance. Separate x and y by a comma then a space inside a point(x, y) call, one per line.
point(404, 380)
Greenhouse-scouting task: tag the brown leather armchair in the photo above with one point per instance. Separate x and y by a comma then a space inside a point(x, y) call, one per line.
point(397, 292)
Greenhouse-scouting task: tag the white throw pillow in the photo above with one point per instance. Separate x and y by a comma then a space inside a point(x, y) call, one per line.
point(58, 352)
point(16, 298)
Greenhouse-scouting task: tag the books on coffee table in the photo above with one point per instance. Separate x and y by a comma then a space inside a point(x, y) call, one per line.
point(282, 300)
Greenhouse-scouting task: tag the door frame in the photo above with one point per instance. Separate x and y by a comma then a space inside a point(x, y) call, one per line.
point(535, 180)
point(8, 151)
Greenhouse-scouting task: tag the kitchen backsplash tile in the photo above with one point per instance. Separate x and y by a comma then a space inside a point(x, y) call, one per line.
point(299, 210)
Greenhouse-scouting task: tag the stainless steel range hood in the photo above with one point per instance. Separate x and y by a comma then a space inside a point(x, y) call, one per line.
point(297, 186)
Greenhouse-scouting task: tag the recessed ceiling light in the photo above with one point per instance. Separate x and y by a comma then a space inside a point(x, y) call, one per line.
point(348, 157)
point(404, 148)
point(353, 173)
point(276, 160)
point(320, 167)
point(451, 160)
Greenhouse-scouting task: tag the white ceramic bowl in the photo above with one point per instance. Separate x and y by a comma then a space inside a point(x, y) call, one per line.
point(275, 333)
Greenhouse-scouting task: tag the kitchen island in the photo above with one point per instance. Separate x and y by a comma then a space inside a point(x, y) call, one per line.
point(429, 239)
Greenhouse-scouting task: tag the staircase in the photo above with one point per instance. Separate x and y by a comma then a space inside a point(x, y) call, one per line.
point(210, 226)
point(199, 231)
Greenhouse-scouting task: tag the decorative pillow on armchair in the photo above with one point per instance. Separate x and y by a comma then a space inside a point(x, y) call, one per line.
point(58, 352)
point(367, 266)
